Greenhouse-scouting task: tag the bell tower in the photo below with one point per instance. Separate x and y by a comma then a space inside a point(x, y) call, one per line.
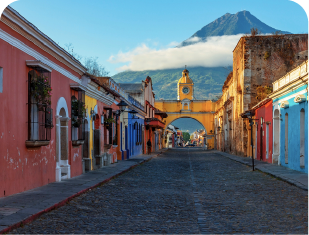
point(185, 86)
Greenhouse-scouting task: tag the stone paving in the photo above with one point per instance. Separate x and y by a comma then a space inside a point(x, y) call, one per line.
point(22, 208)
point(183, 191)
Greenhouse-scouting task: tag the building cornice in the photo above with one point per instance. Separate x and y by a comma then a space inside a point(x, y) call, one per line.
point(18, 23)
point(30, 51)
point(91, 90)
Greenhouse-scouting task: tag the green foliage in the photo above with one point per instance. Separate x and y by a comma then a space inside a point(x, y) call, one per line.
point(266, 55)
point(78, 108)
point(41, 90)
point(207, 81)
point(186, 136)
point(110, 120)
point(263, 91)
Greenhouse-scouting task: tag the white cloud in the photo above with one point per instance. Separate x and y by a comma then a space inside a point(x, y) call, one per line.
point(194, 39)
point(216, 51)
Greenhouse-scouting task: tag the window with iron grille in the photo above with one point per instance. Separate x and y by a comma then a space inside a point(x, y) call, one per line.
point(78, 113)
point(39, 105)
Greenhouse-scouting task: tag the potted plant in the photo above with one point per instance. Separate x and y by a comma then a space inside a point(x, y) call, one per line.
point(78, 108)
point(41, 91)
point(76, 122)
point(109, 121)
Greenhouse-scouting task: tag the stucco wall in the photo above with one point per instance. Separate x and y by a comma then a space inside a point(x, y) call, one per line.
point(293, 112)
point(26, 168)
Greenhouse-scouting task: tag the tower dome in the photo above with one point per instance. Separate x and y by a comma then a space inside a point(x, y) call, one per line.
point(185, 77)
point(185, 86)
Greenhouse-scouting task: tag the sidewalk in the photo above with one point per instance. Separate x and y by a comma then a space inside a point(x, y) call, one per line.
point(296, 178)
point(22, 208)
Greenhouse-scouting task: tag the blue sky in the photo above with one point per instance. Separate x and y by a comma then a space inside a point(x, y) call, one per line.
point(120, 28)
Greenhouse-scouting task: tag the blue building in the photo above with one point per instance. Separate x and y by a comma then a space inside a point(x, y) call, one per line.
point(135, 128)
point(290, 119)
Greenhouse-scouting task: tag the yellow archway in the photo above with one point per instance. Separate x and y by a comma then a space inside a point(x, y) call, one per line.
point(199, 110)
point(187, 106)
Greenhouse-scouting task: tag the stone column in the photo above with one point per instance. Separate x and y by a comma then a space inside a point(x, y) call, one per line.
point(64, 147)
point(58, 146)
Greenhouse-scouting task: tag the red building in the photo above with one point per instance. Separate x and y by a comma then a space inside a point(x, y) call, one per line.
point(36, 145)
point(263, 130)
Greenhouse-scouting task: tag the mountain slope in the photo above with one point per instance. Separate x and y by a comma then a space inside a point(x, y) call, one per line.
point(232, 24)
point(207, 81)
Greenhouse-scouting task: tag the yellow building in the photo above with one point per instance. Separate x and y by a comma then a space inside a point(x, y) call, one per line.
point(90, 104)
point(186, 106)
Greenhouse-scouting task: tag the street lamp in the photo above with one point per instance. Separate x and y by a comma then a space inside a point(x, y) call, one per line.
point(250, 115)
point(133, 113)
point(122, 105)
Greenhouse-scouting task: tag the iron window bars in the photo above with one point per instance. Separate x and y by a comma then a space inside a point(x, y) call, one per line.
point(40, 114)
point(78, 113)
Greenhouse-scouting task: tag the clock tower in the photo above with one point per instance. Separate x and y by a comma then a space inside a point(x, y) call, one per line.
point(185, 86)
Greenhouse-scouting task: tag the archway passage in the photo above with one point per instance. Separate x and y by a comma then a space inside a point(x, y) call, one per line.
point(189, 131)
point(193, 122)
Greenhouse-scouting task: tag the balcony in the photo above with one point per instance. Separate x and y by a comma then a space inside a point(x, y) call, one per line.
point(154, 122)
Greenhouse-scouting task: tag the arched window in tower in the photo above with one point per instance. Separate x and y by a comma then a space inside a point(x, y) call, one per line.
point(186, 106)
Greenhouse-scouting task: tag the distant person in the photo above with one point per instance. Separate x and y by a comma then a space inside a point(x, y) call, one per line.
point(149, 146)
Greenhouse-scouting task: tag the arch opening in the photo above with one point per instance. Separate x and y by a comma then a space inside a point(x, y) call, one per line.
point(62, 140)
point(190, 129)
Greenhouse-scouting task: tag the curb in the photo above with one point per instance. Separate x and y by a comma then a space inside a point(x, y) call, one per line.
point(65, 201)
point(268, 173)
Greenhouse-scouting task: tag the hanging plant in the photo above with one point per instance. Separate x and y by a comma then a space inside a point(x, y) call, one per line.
point(41, 91)
point(78, 108)
point(76, 122)
point(109, 121)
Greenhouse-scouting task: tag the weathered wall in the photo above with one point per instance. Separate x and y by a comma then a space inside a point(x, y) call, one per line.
point(26, 168)
point(257, 61)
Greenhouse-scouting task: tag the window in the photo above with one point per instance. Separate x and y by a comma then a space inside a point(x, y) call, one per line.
point(286, 145)
point(78, 113)
point(302, 138)
point(1, 79)
point(39, 102)
point(276, 133)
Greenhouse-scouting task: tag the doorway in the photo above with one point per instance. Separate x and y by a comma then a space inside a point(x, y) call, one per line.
point(261, 144)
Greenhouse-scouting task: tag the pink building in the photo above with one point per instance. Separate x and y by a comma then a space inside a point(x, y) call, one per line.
point(37, 144)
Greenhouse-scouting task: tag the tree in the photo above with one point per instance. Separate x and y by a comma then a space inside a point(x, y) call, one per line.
point(255, 31)
point(94, 68)
point(186, 136)
point(91, 63)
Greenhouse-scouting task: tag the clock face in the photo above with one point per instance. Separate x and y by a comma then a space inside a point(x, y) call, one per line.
point(185, 90)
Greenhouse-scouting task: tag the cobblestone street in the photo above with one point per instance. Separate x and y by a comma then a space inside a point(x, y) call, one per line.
point(183, 191)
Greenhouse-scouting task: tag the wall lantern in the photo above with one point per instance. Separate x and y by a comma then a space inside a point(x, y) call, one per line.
point(122, 105)
point(133, 113)
point(102, 118)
